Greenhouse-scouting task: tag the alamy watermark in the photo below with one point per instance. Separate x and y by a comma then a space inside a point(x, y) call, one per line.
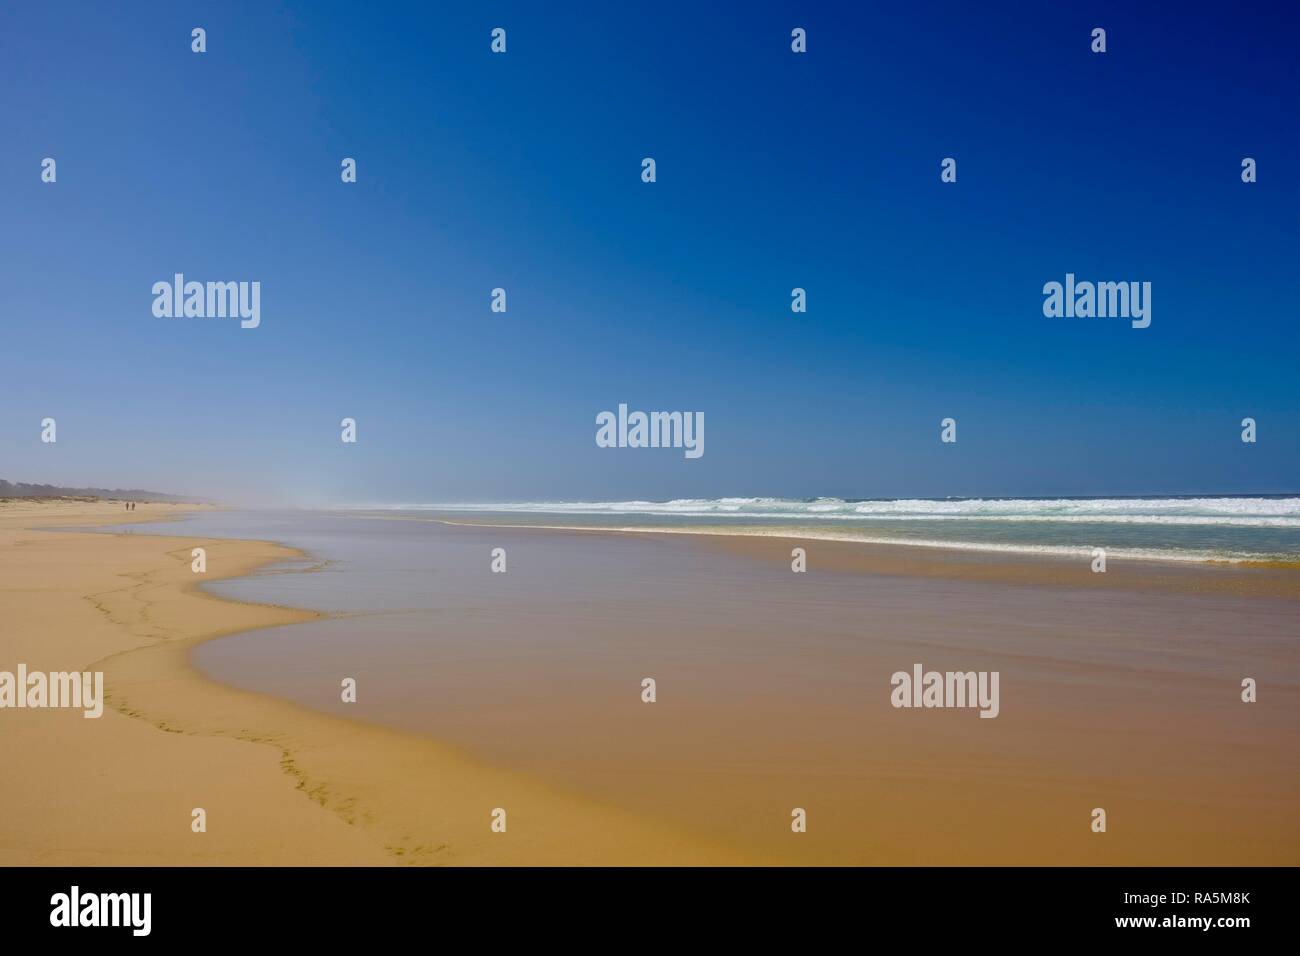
point(651, 430)
point(1102, 300)
point(209, 300)
point(75, 908)
point(922, 688)
point(78, 689)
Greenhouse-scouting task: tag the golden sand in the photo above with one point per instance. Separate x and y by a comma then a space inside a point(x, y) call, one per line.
point(280, 784)
point(1189, 776)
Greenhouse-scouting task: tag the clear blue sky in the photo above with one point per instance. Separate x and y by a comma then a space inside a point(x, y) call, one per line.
point(775, 170)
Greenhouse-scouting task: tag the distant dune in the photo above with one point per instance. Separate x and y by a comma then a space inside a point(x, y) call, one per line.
point(21, 490)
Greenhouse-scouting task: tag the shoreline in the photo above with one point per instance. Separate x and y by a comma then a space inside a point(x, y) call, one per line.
point(1123, 692)
point(908, 559)
point(316, 788)
point(172, 739)
point(1049, 552)
point(118, 790)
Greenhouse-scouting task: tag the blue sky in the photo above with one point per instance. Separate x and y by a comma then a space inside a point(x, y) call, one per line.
point(775, 170)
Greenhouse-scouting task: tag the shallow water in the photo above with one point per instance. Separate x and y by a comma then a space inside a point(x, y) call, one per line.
point(773, 688)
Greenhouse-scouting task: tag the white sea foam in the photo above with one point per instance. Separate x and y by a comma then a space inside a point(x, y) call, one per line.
point(1244, 512)
point(1232, 529)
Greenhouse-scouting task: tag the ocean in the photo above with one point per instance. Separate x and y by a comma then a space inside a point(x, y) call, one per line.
point(1186, 528)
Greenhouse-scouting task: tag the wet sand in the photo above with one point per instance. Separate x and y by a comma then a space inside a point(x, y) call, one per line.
point(280, 784)
point(522, 691)
point(1119, 690)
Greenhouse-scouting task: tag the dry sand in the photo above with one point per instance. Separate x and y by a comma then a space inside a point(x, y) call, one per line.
point(279, 783)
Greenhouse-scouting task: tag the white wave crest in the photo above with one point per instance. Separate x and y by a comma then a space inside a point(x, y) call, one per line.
point(1245, 512)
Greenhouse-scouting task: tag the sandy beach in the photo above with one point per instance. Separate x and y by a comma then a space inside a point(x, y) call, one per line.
point(280, 785)
point(119, 790)
point(765, 708)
